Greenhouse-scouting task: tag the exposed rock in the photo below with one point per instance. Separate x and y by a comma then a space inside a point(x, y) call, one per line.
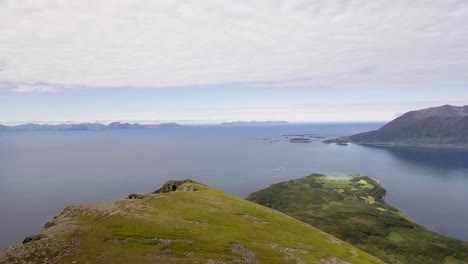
point(163, 256)
point(27, 240)
point(49, 224)
point(136, 196)
point(248, 257)
point(294, 258)
point(32, 238)
point(354, 253)
point(333, 260)
point(286, 249)
point(176, 186)
point(331, 238)
point(186, 188)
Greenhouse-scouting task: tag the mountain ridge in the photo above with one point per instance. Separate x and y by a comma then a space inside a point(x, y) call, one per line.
point(443, 126)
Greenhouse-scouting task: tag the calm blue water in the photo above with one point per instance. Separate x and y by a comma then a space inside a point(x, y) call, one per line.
point(42, 172)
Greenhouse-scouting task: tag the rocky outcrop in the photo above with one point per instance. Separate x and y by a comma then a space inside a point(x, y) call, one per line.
point(333, 260)
point(32, 238)
point(169, 186)
point(137, 196)
point(177, 186)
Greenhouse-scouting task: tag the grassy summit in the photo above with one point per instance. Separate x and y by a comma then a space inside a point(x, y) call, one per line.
point(193, 224)
point(354, 210)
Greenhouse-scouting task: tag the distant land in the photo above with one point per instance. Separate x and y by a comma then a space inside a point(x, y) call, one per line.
point(444, 126)
point(181, 222)
point(250, 123)
point(353, 208)
point(81, 126)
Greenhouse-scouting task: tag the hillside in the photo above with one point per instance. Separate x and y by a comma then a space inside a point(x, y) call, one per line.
point(443, 126)
point(182, 222)
point(354, 210)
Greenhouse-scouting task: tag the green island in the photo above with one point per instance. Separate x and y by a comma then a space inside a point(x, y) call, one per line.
point(353, 209)
point(182, 222)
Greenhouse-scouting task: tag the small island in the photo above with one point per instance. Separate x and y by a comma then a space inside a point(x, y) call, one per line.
point(342, 141)
point(300, 140)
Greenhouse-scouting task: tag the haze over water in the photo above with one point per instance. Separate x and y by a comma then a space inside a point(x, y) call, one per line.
point(42, 172)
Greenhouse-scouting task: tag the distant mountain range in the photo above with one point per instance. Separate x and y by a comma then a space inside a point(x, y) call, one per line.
point(250, 123)
point(81, 126)
point(443, 126)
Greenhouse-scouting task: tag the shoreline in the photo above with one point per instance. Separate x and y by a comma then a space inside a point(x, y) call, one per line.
point(396, 145)
point(346, 140)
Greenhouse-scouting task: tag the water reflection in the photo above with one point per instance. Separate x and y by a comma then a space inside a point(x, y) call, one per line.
point(429, 157)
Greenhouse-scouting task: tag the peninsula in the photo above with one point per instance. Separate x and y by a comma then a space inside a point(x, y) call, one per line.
point(354, 209)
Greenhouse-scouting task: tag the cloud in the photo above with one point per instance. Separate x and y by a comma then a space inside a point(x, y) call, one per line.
point(2, 64)
point(35, 88)
point(332, 112)
point(303, 43)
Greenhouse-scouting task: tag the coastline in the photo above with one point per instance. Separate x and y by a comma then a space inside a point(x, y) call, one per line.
point(396, 145)
point(346, 140)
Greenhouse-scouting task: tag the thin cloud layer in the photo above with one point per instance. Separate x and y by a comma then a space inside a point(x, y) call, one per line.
point(34, 88)
point(337, 44)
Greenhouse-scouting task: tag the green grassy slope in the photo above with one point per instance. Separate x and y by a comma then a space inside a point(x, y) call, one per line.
point(354, 210)
point(204, 226)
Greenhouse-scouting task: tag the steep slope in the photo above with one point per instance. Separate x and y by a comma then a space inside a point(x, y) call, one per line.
point(437, 126)
point(184, 222)
point(354, 210)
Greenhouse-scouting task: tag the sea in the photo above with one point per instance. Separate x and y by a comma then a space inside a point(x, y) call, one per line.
point(43, 172)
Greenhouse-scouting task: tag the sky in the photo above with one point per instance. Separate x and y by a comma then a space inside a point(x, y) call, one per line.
point(215, 61)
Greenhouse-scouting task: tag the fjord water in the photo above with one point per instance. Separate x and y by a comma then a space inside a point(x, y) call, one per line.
point(42, 172)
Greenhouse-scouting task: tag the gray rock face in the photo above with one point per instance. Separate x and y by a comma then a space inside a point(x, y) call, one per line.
point(176, 186)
